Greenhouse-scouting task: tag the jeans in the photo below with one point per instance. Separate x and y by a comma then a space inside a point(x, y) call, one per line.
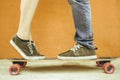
point(82, 19)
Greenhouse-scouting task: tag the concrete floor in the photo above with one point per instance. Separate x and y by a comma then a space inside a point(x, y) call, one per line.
point(60, 71)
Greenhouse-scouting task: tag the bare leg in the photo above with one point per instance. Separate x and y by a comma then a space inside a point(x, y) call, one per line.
point(27, 10)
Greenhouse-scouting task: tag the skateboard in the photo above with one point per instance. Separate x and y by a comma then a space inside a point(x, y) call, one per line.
point(104, 62)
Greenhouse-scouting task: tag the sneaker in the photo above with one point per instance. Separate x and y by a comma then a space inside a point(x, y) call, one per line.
point(78, 52)
point(26, 48)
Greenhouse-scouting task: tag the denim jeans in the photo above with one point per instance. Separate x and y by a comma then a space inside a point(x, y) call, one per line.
point(82, 19)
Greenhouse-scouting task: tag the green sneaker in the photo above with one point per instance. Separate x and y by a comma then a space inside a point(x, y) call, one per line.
point(78, 52)
point(26, 48)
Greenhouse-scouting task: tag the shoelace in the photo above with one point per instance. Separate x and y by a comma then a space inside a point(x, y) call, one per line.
point(30, 47)
point(76, 47)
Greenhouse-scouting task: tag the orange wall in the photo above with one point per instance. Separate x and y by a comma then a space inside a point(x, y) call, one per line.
point(53, 27)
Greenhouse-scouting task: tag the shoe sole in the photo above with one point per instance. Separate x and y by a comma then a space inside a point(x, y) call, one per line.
point(78, 58)
point(23, 54)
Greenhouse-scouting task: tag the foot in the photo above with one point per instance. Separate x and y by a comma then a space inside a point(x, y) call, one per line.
point(78, 52)
point(26, 48)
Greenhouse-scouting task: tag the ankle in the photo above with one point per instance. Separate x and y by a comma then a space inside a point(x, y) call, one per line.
point(23, 36)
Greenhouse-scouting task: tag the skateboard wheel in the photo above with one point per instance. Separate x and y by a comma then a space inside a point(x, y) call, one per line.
point(101, 63)
point(109, 68)
point(15, 69)
point(22, 64)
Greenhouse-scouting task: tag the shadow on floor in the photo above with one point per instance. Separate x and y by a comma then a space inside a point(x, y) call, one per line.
point(63, 68)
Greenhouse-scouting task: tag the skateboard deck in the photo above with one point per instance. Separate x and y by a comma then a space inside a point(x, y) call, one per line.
point(104, 62)
point(55, 59)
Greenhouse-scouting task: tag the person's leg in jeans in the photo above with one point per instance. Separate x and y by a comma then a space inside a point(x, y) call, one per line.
point(22, 41)
point(84, 49)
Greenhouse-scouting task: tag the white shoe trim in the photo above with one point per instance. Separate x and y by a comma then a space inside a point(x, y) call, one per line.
point(78, 58)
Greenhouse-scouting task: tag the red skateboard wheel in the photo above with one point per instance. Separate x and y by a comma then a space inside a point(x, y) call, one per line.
point(24, 64)
point(15, 69)
point(108, 68)
point(101, 63)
